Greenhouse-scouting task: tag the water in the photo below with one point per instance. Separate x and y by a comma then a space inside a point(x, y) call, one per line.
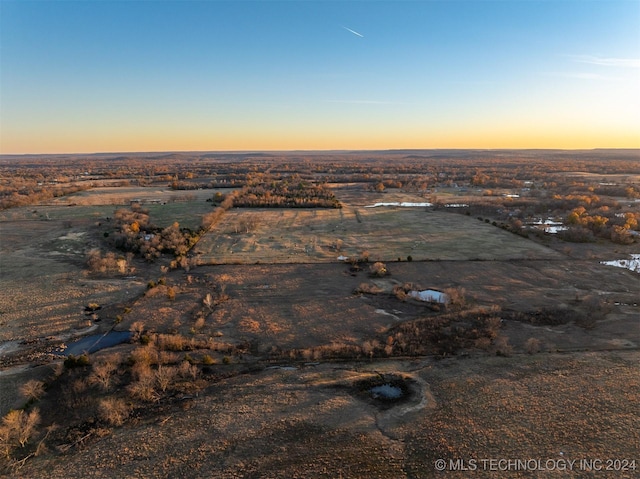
point(430, 295)
point(404, 204)
point(96, 342)
point(632, 264)
point(386, 391)
point(549, 226)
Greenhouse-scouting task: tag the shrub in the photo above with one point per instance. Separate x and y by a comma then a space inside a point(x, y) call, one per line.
point(171, 294)
point(208, 301)
point(143, 390)
point(144, 355)
point(378, 269)
point(76, 361)
point(113, 410)
point(172, 342)
point(456, 297)
point(532, 345)
point(367, 288)
point(400, 293)
point(199, 322)
point(137, 328)
point(208, 360)
point(502, 346)
point(188, 370)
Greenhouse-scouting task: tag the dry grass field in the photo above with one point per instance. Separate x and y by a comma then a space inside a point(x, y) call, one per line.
point(310, 305)
point(261, 318)
point(123, 195)
point(313, 422)
point(165, 205)
point(386, 233)
point(44, 284)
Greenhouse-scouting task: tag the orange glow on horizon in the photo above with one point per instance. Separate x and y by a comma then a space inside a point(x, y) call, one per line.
point(231, 140)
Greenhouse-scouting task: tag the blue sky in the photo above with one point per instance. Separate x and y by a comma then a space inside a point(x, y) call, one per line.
point(89, 76)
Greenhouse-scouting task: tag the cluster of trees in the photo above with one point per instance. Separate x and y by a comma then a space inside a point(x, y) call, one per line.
point(447, 334)
point(94, 394)
point(550, 183)
point(211, 219)
point(99, 262)
point(135, 233)
point(444, 334)
point(228, 181)
point(286, 194)
point(28, 192)
point(585, 225)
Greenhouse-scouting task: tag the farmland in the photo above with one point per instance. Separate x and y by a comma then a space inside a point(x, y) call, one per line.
point(259, 330)
point(386, 233)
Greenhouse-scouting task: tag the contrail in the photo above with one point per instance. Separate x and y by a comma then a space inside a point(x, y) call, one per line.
point(354, 32)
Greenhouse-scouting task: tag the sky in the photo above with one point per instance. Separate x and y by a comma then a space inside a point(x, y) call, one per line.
point(123, 76)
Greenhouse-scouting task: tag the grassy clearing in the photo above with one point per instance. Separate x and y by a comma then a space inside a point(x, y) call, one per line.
point(307, 236)
point(307, 423)
point(188, 214)
point(44, 285)
point(124, 195)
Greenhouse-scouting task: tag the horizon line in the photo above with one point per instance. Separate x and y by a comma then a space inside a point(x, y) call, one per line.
point(329, 150)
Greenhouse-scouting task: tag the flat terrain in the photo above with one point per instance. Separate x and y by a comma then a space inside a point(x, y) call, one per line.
point(286, 340)
point(386, 233)
point(311, 422)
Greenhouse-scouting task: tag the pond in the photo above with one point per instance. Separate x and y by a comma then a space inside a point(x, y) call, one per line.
point(430, 295)
point(549, 225)
point(95, 342)
point(403, 204)
point(632, 264)
point(386, 391)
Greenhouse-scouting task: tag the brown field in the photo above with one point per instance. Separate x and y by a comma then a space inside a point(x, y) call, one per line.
point(44, 286)
point(123, 195)
point(309, 305)
point(312, 422)
point(386, 233)
point(283, 349)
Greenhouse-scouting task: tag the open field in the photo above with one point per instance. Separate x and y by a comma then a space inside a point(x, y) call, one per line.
point(123, 195)
point(164, 205)
point(309, 305)
point(44, 284)
point(386, 233)
point(312, 422)
point(262, 349)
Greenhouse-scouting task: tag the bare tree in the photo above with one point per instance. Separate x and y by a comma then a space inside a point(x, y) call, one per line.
point(102, 373)
point(113, 410)
point(32, 390)
point(17, 428)
point(164, 376)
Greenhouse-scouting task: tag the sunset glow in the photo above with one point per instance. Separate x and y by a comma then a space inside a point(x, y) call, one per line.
point(215, 75)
